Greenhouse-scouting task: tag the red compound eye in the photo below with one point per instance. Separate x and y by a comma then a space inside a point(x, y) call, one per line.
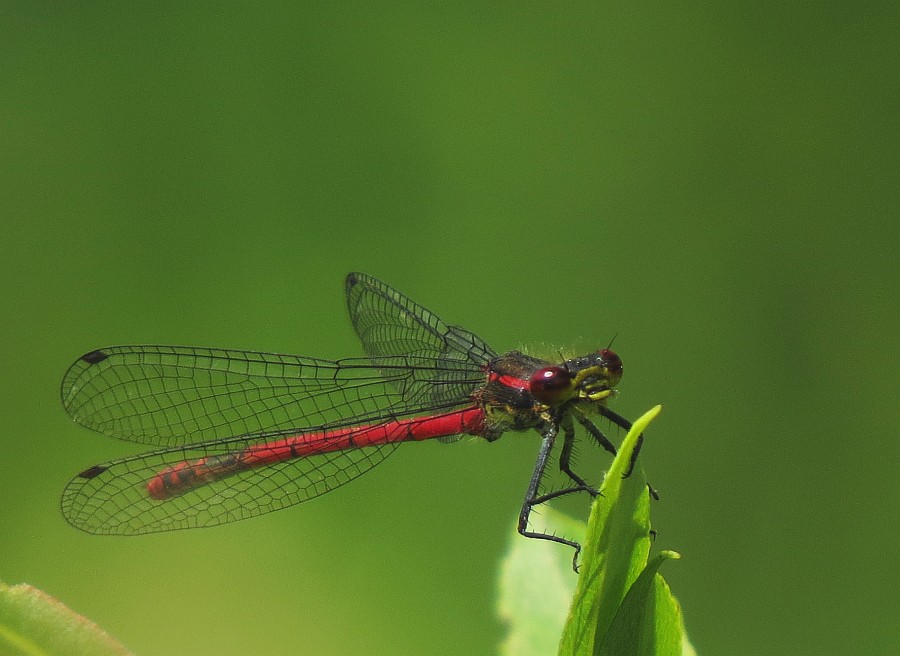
point(612, 363)
point(551, 385)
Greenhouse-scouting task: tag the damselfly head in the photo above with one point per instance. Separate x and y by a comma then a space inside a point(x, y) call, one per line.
point(592, 377)
point(596, 375)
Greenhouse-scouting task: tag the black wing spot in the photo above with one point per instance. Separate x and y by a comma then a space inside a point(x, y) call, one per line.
point(92, 472)
point(94, 357)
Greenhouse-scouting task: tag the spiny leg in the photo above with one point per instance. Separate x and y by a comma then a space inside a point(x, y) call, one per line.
point(620, 421)
point(565, 457)
point(564, 466)
point(532, 498)
point(596, 433)
point(602, 440)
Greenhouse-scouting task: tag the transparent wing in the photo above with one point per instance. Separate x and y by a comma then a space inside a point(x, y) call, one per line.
point(392, 327)
point(201, 403)
point(113, 498)
point(171, 395)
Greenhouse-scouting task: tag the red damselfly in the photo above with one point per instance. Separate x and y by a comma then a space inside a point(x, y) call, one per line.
point(241, 433)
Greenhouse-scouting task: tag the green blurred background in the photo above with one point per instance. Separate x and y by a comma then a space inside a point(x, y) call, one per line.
point(717, 186)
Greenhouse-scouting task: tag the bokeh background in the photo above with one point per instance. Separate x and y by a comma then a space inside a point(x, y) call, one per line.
point(716, 185)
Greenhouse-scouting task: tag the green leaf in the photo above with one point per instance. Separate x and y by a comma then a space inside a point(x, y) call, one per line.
point(621, 604)
point(32, 623)
point(615, 551)
point(649, 620)
point(535, 586)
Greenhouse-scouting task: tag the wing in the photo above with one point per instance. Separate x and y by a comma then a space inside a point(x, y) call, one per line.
point(392, 327)
point(113, 498)
point(171, 395)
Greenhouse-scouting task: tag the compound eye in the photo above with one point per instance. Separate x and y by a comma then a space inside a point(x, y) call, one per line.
point(552, 385)
point(612, 363)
